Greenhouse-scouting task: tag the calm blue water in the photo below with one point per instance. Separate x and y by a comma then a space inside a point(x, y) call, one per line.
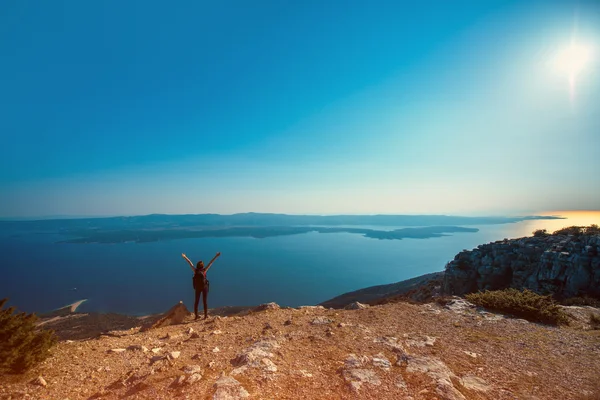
point(39, 275)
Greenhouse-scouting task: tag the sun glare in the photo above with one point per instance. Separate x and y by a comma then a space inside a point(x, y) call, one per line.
point(573, 59)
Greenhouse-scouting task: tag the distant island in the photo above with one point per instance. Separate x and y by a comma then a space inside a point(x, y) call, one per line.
point(158, 227)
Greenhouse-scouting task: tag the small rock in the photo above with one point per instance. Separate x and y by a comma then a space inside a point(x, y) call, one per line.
point(287, 322)
point(174, 354)
point(470, 354)
point(193, 378)
point(156, 350)
point(192, 369)
point(138, 347)
point(190, 331)
point(321, 321)
point(179, 380)
point(212, 364)
point(352, 361)
point(267, 326)
point(116, 351)
point(227, 388)
point(216, 350)
point(40, 381)
point(305, 374)
point(342, 325)
point(195, 335)
point(156, 359)
point(380, 361)
point(217, 332)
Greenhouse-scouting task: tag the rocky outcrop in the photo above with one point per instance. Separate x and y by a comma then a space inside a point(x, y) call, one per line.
point(562, 265)
point(176, 315)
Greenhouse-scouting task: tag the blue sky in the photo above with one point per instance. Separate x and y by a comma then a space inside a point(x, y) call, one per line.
point(320, 107)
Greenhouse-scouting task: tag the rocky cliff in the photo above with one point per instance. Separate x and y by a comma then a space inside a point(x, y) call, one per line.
point(562, 265)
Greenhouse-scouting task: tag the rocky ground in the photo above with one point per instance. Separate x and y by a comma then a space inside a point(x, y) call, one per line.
point(391, 351)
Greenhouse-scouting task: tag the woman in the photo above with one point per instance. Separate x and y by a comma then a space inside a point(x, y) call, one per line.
point(201, 284)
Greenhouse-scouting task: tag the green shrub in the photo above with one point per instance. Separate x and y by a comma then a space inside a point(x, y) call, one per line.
point(22, 345)
point(526, 304)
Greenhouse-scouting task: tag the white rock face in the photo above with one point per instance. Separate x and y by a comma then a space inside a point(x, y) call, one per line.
point(321, 321)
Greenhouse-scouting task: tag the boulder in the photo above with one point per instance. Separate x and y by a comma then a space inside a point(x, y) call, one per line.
point(176, 315)
point(356, 306)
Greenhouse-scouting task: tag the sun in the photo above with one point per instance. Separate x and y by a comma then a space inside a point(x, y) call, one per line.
point(573, 59)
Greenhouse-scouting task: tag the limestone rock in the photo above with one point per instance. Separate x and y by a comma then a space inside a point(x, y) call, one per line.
point(40, 381)
point(267, 306)
point(227, 388)
point(357, 377)
point(192, 369)
point(356, 306)
point(439, 372)
point(562, 265)
point(321, 321)
point(382, 362)
point(116, 351)
point(176, 315)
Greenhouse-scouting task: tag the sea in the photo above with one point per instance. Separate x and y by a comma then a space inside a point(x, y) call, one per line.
point(37, 274)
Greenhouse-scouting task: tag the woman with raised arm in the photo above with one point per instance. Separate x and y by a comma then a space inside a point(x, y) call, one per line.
point(201, 284)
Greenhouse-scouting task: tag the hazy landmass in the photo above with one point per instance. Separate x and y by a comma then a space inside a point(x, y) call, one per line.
point(157, 227)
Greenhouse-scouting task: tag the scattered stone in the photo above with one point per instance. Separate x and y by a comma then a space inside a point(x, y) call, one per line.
point(255, 356)
point(268, 365)
point(195, 335)
point(156, 359)
point(156, 350)
point(138, 347)
point(40, 381)
point(174, 354)
point(356, 306)
point(311, 308)
point(173, 336)
point(391, 343)
point(342, 325)
point(217, 332)
point(212, 364)
point(471, 354)
point(179, 381)
point(439, 372)
point(357, 377)
point(116, 351)
point(421, 342)
point(382, 362)
point(267, 326)
point(193, 378)
point(305, 374)
point(321, 321)
point(287, 322)
point(190, 331)
point(352, 361)
point(216, 350)
point(192, 369)
point(227, 388)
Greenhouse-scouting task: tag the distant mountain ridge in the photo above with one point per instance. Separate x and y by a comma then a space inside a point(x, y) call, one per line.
point(266, 219)
point(157, 227)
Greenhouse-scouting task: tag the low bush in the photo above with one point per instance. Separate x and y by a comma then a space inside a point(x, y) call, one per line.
point(22, 345)
point(525, 304)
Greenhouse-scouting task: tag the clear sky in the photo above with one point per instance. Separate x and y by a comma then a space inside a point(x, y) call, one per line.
point(318, 107)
